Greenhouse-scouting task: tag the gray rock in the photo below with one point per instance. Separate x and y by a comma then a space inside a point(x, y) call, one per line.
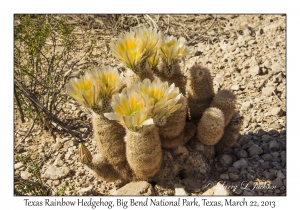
point(273, 146)
point(268, 91)
point(268, 175)
point(266, 138)
point(280, 175)
point(267, 157)
point(242, 154)
point(248, 193)
point(242, 163)
point(85, 191)
point(283, 157)
point(255, 150)
point(233, 177)
point(224, 177)
point(244, 140)
point(277, 182)
point(54, 172)
point(226, 160)
point(265, 165)
point(135, 188)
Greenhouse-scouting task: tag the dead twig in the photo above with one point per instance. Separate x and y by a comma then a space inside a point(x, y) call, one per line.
point(189, 42)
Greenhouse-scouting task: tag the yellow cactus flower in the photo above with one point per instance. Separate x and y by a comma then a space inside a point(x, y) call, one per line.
point(109, 80)
point(150, 39)
point(154, 59)
point(173, 49)
point(133, 47)
point(164, 97)
point(84, 90)
point(132, 109)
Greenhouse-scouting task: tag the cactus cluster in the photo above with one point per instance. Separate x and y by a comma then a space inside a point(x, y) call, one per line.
point(158, 109)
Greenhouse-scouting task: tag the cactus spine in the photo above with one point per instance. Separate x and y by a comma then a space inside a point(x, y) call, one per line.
point(143, 151)
point(225, 100)
point(231, 134)
point(109, 136)
point(211, 126)
point(199, 90)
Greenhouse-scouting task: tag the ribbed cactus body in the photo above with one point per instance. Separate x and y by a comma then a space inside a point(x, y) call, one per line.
point(175, 122)
point(187, 133)
point(211, 126)
point(199, 91)
point(143, 151)
point(134, 77)
point(231, 134)
point(109, 136)
point(103, 169)
point(171, 74)
point(225, 100)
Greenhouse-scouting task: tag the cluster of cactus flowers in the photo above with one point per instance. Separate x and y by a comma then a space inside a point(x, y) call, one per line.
point(150, 108)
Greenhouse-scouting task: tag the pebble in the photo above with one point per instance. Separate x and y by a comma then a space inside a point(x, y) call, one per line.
point(276, 67)
point(233, 177)
point(268, 175)
point(268, 91)
point(280, 175)
point(273, 146)
point(277, 182)
point(242, 154)
point(235, 87)
point(179, 190)
point(246, 105)
point(255, 150)
point(224, 176)
point(242, 163)
point(135, 189)
point(267, 157)
point(248, 193)
point(226, 160)
point(277, 111)
point(25, 175)
point(266, 138)
point(54, 172)
point(18, 165)
point(255, 70)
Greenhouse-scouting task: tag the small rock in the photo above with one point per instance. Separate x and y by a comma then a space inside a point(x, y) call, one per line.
point(250, 85)
point(242, 154)
point(218, 190)
point(135, 188)
point(277, 182)
point(273, 146)
point(276, 67)
point(267, 64)
point(265, 165)
point(255, 70)
point(57, 146)
point(233, 176)
point(242, 163)
point(277, 111)
point(85, 191)
point(244, 140)
point(246, 105)
point(267, 157)
point(268, 91)
point(280, 175)
point(267, 138)
point(268, 175)
point(56, 182)
point(248, 193)
point(179, 190)
point(18, 165)
point(235, 87)
point(255, 150)
point(25, 175)
point(224, 177)
point(283, 157)
point(226, 160)
point(54, 172)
